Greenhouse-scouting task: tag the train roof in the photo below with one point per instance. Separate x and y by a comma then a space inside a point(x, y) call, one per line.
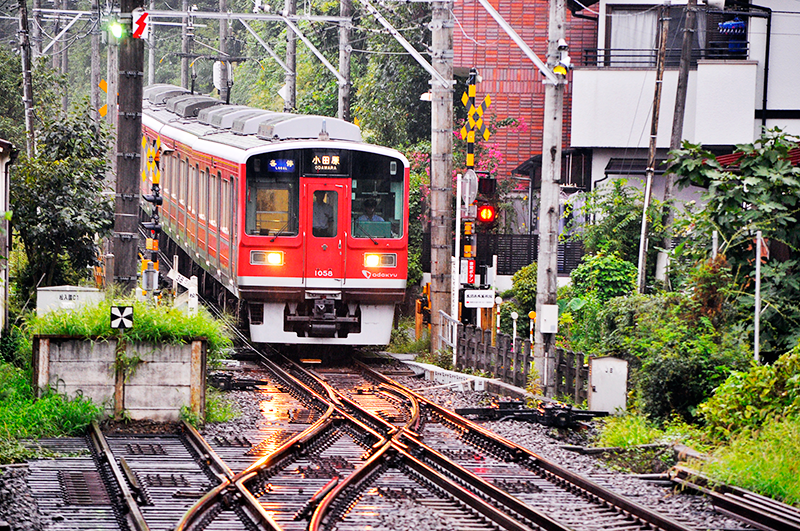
point(209, 125)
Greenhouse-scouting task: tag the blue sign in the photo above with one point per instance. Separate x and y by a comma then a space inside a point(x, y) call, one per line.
point(281, 165)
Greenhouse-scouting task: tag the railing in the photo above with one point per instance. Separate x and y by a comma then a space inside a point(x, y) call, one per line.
point(646, 58)
point(476, 352)
point(448, 334)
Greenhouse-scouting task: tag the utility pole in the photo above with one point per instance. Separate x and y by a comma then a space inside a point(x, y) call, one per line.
point(94, 75)
point(549, 208)
point(112, 80)
point(129, 146)
point(677, 129)
point(290, 101)
point(151, 50)
point(187, 34)
point(27, 82)
point(224, 78)
point(36, 30)
point(663, 22)
point(441, 163)
point(345, 10)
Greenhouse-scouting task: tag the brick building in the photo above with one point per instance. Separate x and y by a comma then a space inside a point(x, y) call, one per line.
point(508, 76)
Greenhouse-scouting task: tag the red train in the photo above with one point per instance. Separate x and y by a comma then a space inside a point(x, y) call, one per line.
point(293, 215)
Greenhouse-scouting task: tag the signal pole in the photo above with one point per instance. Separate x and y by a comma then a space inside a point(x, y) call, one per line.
point(441, 163)
point(129, 138)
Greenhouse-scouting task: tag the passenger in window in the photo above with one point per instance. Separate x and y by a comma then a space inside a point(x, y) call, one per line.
point(323, 215)
point(369, 211)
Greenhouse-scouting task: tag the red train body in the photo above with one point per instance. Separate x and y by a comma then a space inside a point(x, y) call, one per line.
point(292, 214)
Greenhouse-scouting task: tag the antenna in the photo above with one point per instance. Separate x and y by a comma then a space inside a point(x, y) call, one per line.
point(323, 134)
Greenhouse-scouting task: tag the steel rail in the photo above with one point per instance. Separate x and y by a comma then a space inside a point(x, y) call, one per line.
point(482, 486)
point(758, 511)
point(132, 511)
point(519, 454)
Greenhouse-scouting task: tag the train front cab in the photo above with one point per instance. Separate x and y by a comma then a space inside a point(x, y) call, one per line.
point(324, 251)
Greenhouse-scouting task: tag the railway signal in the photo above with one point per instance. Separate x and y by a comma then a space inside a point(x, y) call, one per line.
point(150, 259)
point(486, 214)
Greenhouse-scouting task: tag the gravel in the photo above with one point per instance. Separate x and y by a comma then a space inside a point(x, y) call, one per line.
point(18, 509)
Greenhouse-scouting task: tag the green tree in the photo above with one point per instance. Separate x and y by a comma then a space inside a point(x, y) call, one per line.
point(760, 192)
point(59, 209)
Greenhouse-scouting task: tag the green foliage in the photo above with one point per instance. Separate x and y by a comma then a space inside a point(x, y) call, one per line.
point(155, 324)
point(675, 361)
point(607, 275)
point(440, 358)
point(761, 194)
point(220, 408)
point(767, 462)
point(58, 202)
point(628, 430)
point(610, 220)
point(51, 415)
point(746, 401)
point(402, 343)
point(524, 288)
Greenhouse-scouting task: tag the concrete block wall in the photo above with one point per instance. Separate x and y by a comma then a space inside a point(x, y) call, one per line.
point(160, 379)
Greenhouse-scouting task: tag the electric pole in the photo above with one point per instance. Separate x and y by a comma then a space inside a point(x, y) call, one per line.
point(663, 21)
point(441, 164)
point(677, 129)
point(549, 208)
point(187, 34)
point(345, 10)
point(224, 78)
point(94, 75)
point(290, 101)
point(151, 50)
point(27, 82)
point(129, 146)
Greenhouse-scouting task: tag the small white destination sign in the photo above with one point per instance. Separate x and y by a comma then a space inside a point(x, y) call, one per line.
point(478, 298)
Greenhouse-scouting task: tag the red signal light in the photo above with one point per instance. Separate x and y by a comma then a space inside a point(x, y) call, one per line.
point(486, 213)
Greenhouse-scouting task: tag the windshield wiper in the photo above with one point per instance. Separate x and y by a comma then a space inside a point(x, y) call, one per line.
point(280, 232)
point(365, 233)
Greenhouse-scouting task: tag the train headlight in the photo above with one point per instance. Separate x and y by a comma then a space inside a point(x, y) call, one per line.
point(272, 258)
point(380, 260)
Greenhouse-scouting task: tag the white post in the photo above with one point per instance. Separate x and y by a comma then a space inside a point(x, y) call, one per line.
point(757, 317)
point(514, 317)
point(456, 283)
point(497, 302)
point(532, 317)
point(714, 244)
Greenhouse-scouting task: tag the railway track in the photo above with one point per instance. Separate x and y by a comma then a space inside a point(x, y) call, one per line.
point(336, 449)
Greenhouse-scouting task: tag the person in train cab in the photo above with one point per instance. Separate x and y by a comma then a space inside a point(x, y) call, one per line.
point(369, 212)
point(323, 215)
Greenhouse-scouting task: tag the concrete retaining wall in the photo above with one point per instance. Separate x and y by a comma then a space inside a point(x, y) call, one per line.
point(152, 381)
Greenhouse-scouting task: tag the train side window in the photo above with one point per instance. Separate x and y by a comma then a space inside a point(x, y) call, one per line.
point(226, 206)
point(213, 198)
point(183, 179)
point(204, 184)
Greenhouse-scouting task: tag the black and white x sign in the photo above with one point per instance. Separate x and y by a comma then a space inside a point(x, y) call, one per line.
point(121, 316)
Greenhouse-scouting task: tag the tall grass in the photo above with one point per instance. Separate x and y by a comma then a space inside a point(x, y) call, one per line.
point(158, 324)
point(23, 416)
point(767, 462)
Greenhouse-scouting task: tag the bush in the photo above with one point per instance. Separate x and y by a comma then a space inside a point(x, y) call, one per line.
point(746, 401)
point(605, 274)
point(524, 282)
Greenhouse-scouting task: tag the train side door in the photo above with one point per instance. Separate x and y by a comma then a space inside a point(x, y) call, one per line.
point(327, 210)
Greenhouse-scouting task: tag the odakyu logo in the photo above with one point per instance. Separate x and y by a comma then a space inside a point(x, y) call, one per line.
point(378, 274)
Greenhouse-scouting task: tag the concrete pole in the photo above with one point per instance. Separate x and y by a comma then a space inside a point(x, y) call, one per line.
point(225, 81)
point(663, 20)
point(27, 82)
point(112, 79)
point(151, 50)
point(441, 164)
point(345, 49)
point(290, 102)
point(94, 75)
point(677, 129)
point(36, 29)
point(186, 46)
point(549, 210)
point(129, 145)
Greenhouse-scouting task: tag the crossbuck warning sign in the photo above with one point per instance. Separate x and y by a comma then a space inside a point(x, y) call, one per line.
point(121, 317)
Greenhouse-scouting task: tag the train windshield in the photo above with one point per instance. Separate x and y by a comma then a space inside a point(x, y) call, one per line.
point(273, 194)
point(377, 196)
